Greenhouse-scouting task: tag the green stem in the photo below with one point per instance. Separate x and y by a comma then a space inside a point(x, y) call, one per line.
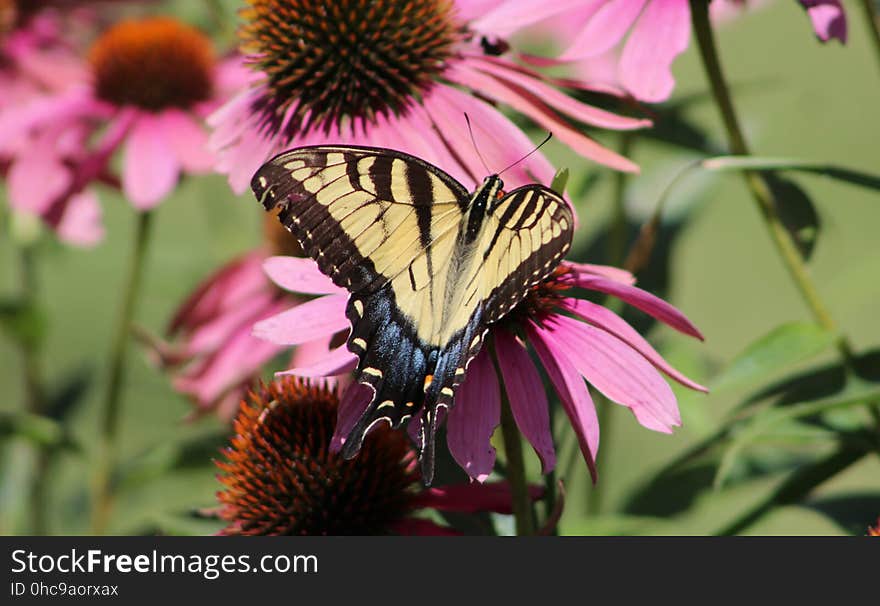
point(103, 493)
point(756, 184)
point(35, 395)
point(516, 473)
point(797, 486)
point(34, 391)
point(873, 21)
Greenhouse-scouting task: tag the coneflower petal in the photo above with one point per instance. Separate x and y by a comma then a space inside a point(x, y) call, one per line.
point(525, 392)
point(572, 392)
point(619, 372)
point(473, 419)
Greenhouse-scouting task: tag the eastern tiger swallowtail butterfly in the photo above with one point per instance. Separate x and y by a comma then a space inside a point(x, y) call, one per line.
point(429, 266)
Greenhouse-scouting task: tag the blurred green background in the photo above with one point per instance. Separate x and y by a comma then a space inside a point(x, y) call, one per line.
point(797, 98)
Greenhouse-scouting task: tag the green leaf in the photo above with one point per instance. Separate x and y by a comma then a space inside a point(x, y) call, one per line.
point(740, 163)
point(783, 346)
point(772, 419)
point(26, 324)
point(67, 394)
point(39, 430)
point(797, 211)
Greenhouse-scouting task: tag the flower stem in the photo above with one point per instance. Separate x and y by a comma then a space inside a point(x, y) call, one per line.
point(873, 21)
point(34, 390)
point(516, 472)
point(35, 393)
point(103, 493)
point(761, 193)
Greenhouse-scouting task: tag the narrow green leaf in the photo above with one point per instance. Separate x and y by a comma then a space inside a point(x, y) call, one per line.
point(772, 418)
point(39, 430)
point(781, 347)
point(739, 163)
point(795, 487)
point(26, 324)
point(797, 211)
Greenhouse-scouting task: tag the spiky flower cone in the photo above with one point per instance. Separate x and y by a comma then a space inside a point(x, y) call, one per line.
point(326, 61)
point(280, 478)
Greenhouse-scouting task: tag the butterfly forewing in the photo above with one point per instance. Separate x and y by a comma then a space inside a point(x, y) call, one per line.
point(427, 273)
point(343, 203)
point(529, 233)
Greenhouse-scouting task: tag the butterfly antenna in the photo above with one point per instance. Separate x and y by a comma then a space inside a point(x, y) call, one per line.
point(474, 141)
point(540, 145)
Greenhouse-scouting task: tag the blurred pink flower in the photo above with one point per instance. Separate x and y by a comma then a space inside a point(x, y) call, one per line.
point(145, 90)
point(212, 356)
point(210, 352)
point(643, 36)
point(573, 338)
point(413, 76)
point(36, 60)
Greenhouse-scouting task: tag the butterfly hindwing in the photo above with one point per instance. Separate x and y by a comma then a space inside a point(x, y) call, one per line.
point(429, 266)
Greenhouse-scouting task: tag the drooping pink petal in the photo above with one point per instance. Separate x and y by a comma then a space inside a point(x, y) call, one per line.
point(353, 404)
point(213, 333)
point(305, 322)
point(505, 18)
point(188, 140)
point(616, 370)
point(336, 362)
point(525, 392)
point(150, 167)
point(36, 180)
point(298, 274)
point(643, 300)
point(237, 140)
point(660, 35)
point(515, 76)
point(473, 419)
point(828, 17)
point(527, 103)
point(472, 498)
point(81, 224)
point(236, 281)
point(605, 29)
point(239, 359)
point(496, 136)
point(609, 321)
point(572, 392)
point(607, 271)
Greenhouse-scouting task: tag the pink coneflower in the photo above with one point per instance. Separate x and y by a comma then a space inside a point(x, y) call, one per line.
point(280, 477)
point(394, 74)
point(648, 34)
point(211, 354)
point(573, 338)
point(145, 90)
point(35, 61)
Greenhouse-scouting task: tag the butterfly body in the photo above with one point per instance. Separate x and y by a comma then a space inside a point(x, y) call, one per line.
point(429, 266)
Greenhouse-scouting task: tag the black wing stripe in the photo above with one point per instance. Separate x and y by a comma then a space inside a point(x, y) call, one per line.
point(381, 173)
